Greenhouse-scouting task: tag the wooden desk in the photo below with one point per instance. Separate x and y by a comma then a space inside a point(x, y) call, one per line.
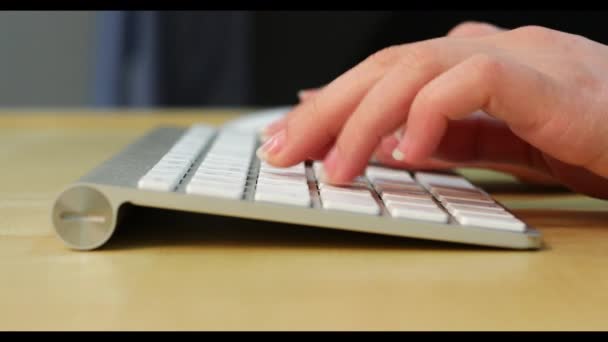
point(182, 272)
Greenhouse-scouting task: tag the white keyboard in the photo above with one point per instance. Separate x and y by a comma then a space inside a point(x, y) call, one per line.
point(196, 168)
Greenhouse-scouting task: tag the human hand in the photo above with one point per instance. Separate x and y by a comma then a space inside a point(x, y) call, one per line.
point(529, 101)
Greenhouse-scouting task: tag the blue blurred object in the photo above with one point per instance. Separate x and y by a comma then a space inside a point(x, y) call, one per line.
point(126, 65)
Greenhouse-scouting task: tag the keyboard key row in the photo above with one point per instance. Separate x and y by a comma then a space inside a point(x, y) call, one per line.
point(166, 174)
point(224, 172)
point(469, 205)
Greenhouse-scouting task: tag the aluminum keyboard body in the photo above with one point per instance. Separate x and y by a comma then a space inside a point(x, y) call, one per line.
point(86, 213)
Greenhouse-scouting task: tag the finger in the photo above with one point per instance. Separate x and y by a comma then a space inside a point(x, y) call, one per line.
point(480, 138)
point(321, 153)
point(466, 149)
point(274, 127)
point(315, 123)
point(579, 179)
point(473, 29)
point(277, 125)
point(306, 94)
point(386, 106)
point(520, 96)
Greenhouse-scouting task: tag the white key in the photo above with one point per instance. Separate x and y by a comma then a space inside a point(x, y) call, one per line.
point(185, 149)
point(183, 153)
point(478, 206)
point(185, 161)
point(374, 170)
point(297, 178)
point(299, 166)
point(407, 194)
point(377, 172)
point(318, 172)
point(281, 172)
point(179, 155)
point(158, 183)
point(328, 190)
point(182, 164)
point(493, 222)
point(356, 204)
point(401, 210)
point(175, 172)
point(191, 142)
point(291, 188)
point(219, 179)
point(388, 182)
point(208, 167)
point(317, 168)
point(296, 168)
point(190, 135)
point(459, 210)
point(223, 165)
point(226, 162)
point(220, 173)
point(210, 156)
point(428, 179)
point(279, 182)
point(265, 165)
point(214, 189)
point(411, 201)
point(465, 212)
point(216, 158)
point(449, 199)
point(172, 169)
point(357, 182)
point(283, 198)
point(226, 179)
point(218, 182)
point(200, 130)
point(234, 153)
point(168, 160)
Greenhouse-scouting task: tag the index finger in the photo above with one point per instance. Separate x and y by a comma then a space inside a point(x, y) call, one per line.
point(315, 123)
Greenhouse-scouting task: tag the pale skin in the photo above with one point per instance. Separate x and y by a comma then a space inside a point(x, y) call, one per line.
point(529, 101)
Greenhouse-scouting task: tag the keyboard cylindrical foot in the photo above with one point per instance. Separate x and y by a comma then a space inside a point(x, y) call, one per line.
point(83, 218)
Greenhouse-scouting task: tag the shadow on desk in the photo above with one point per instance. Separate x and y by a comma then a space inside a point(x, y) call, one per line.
point(147, 228)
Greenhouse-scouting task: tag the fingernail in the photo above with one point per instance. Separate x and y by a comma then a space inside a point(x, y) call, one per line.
point(303, 94)
point(269, 130)
point(272, 145)
point(398, 155)
point(306, 93)
point(265, 135)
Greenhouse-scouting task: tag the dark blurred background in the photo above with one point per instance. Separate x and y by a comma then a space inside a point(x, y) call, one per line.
point(228, 58)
